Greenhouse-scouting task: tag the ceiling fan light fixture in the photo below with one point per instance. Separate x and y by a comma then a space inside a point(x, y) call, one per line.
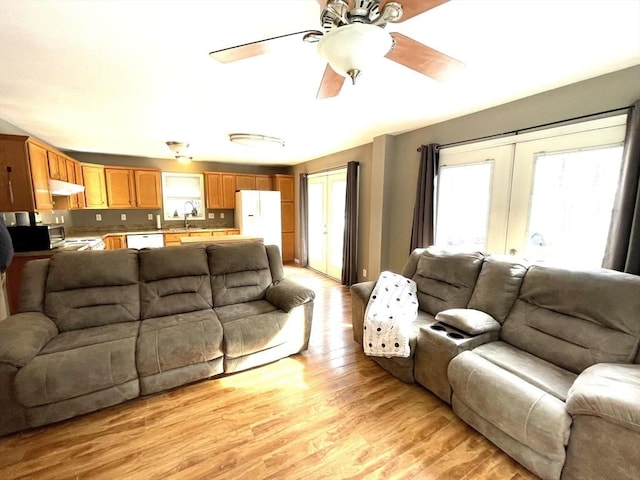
point(183, 159)
point(255, 140)
point(354, 47)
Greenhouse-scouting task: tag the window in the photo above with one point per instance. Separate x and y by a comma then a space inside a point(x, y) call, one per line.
point(183, 195)
point(550, 193)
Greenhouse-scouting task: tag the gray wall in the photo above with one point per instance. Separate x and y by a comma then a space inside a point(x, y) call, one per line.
point(388, 183)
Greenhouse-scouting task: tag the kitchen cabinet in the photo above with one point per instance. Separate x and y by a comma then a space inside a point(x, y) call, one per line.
point(213, 188)
point(245, 182)
point(80, 197)
point(284, 184)
point(173, 238)
point(120, 187)
point(24, 175)
point(114, 242)
point(132, 187)
point(228, 190)
point(264, 182)
point(148, 188)
point(95, 190)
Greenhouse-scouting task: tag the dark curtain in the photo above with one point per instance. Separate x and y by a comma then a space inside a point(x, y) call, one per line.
point(623, 245)
point(304, 223)
point(350, 243)
point(423, 218)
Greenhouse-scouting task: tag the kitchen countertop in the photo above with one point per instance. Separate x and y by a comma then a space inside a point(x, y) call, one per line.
point(112, 233)
point(220, 239)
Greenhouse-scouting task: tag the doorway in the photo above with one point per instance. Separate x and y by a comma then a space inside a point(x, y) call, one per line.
point(326, 206)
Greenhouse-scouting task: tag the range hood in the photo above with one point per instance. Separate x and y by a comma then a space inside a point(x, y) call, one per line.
point(64, 189)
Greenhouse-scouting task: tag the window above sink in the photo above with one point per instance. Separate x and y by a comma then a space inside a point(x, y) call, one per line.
point(183, 195)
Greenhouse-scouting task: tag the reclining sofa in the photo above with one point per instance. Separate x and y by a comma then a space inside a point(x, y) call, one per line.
point(97, 328)
point(543, 361)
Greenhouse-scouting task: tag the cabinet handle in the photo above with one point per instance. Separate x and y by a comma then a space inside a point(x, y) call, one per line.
point(11, 192)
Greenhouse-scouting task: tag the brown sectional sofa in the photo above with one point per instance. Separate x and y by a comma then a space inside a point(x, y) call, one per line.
point(543, 361)
point(98, 328)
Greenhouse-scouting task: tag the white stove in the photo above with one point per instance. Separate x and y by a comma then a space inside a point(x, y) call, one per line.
point(85, 243)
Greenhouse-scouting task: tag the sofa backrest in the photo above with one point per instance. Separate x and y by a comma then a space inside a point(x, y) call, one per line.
point(240, 272)
point(89, 289)
point(174, 280)
point(498, 285)
point(576, 318)
point(444, 279)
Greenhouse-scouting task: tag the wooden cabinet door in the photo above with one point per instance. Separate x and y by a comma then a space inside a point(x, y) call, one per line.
point(228, 190)
point(264, 182)
point(287, 216)
point(287, 246)
point(54, 167)
point(95, 192)
point(40, 176)
point(284, 184)
point(116, 242)
point(120, 187)
point(80, 201)
point(245, 182)
point(148, 188)
point(213, 187)
point(62, 168)
point(15, 182)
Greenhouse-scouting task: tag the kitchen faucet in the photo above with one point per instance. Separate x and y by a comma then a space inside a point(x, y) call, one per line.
point(186, 213)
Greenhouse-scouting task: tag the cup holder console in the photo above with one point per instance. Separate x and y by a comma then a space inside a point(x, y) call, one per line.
point(448, 331)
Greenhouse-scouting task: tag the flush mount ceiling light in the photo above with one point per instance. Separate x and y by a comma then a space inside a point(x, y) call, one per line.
point(179, 148)
point(255, 140)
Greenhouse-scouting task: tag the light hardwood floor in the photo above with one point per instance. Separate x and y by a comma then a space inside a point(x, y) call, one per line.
point(328, 413)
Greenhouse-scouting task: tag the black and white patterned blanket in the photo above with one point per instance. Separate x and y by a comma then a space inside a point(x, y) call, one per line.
point(392, 307)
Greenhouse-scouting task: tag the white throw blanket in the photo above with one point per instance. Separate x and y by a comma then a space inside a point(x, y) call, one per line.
point(392, 307)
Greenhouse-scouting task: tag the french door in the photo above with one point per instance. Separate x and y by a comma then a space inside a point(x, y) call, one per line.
point(326, 203)
point(546, 196)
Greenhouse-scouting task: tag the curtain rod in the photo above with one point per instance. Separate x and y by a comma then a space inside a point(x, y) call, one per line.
point(327, 170)
point(535, 127)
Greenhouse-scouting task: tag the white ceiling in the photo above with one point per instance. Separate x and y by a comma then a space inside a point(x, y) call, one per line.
point(125, 76)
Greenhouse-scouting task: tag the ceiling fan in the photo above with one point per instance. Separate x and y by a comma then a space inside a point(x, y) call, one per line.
point(353, 35)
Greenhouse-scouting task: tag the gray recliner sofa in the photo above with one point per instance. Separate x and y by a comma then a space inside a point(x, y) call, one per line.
point(98, 328)
point(543, 361)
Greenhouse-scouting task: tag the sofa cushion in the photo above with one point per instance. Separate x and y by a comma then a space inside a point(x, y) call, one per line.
point(80, 363)
point(174, 280)
point(518, 408)
point(89, 289)
point(468, 320)
point(446, 280)
point(255, 326)
point(174, 341)
point(239, 272)
point(498, 285)
point(575, 319)
point(538, 372)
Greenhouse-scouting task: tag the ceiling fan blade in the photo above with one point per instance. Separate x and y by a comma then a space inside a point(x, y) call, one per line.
point(331, 84)
point(422, 59)
point(253, 49)
point(411, 8)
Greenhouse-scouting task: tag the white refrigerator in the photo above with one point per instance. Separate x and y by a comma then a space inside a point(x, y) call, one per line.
point(258, 213)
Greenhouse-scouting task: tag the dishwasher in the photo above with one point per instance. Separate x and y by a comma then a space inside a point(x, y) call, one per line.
point(145, 240)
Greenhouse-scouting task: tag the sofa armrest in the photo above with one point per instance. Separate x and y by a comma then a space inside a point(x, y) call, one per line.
point(287, 294)
point(609, 391)
point(467, 320)
point(23, 335)
point(363, 290)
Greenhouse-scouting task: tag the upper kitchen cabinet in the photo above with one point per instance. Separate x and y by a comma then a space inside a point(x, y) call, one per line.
point(264, 182)
point(95, 189)
point(228, 190)
point(213, 189)
point(120, 187)
point(24, 175)
point(245, 182)
point(148, 188)
point(284, 184)
point(133, 187)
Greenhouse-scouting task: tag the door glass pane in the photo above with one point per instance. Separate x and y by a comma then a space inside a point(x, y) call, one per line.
point(317, 225)
point(464, 194)
point(336, 226)
point(571, 205)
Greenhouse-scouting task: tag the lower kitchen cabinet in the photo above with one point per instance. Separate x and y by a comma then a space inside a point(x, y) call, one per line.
point(115, 242)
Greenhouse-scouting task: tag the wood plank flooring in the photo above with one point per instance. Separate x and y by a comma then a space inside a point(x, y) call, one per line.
point(328, 413)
